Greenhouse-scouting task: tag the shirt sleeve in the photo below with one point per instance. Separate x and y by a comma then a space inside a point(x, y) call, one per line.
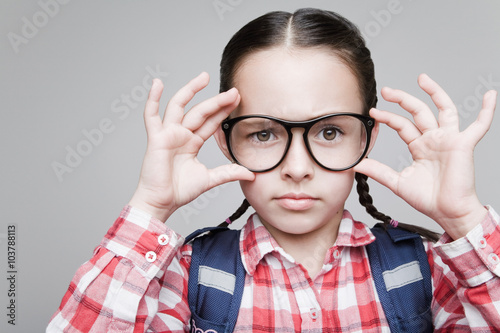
point(136, 281)
point(466, 279)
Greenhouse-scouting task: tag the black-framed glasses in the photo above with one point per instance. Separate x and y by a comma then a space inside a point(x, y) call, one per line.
point(336, 142)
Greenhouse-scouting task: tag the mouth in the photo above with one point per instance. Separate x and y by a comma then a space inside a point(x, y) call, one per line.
point(296, 201)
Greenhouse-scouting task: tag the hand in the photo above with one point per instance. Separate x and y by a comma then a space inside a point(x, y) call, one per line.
point(440, 182)
point(171, 175)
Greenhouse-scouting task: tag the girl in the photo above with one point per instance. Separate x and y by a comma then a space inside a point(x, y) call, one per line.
point(297, 106)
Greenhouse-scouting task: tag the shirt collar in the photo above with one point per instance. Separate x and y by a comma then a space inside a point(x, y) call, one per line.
point(256, 241)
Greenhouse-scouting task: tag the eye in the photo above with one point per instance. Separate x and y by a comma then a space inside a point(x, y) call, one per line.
point(329, 133)
point(263, 136)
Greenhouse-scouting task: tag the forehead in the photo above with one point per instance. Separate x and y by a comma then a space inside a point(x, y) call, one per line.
point(296, 84)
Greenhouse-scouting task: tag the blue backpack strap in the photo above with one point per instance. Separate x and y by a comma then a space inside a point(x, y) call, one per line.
point(402, 276)
point(216, 279)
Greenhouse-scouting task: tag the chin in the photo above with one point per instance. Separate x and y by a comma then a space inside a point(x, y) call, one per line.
point(296, 224)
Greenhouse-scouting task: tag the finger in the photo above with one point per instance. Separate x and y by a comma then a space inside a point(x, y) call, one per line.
point(228, 173)
point(422, 115)
point(482, 124)
point(379, 172)
point(403, 126)
point(448, 114)
point(222, 103)
point(213, 122)
point(151, 117)
point(175, 107)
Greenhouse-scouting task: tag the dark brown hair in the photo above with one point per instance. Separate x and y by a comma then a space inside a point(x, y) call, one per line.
point(311, 28)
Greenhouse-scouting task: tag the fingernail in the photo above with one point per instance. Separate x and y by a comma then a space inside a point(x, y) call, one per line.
point(491, 92)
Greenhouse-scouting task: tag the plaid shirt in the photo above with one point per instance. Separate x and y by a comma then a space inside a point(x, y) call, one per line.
point(137, 281)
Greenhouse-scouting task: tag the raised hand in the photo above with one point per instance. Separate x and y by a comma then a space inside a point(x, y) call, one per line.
point(440, 182)
point(171, 175)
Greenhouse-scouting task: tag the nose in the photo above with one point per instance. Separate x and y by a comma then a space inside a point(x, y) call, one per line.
point(298, 163)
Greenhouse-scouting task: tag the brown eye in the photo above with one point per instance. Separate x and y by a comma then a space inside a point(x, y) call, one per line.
point(263, 136)
point(329, 133)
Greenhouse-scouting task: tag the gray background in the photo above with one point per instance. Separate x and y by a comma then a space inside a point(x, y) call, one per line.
point(77, 68)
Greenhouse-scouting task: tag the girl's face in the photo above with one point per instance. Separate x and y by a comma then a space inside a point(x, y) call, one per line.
point(298, 196)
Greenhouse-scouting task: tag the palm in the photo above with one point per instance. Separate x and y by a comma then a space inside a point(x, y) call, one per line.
point(439, 178)
point(171, 158)
point(440, 181)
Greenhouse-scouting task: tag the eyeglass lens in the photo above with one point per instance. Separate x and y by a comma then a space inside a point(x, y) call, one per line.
point(335, 142)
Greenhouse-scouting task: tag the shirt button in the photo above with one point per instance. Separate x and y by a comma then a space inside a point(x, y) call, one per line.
point(493, 258)
point(151, 256)
point(163, 239)
point(336, 253)
point(313, 313)
point(482, 243)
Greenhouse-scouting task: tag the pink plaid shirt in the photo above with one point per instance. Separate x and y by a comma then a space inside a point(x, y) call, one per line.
point(137, 281)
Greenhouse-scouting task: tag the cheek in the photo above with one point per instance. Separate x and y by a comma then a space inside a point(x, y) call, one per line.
point(262, 189)
point(254, 189)
point(338, 184)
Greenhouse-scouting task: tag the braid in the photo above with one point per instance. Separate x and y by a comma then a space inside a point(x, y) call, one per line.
point(237, 214)
point(366, 200)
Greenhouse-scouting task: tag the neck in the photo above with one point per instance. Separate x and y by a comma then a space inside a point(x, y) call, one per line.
point(309, 249)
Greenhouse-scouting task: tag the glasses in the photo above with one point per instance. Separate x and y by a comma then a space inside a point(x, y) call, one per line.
point(336, 142)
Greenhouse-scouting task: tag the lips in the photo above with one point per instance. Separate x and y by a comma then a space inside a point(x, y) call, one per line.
point(296, 201)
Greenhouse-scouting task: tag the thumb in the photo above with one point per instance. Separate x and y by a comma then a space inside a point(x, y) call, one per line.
point(378, 172)
point(228, 173)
